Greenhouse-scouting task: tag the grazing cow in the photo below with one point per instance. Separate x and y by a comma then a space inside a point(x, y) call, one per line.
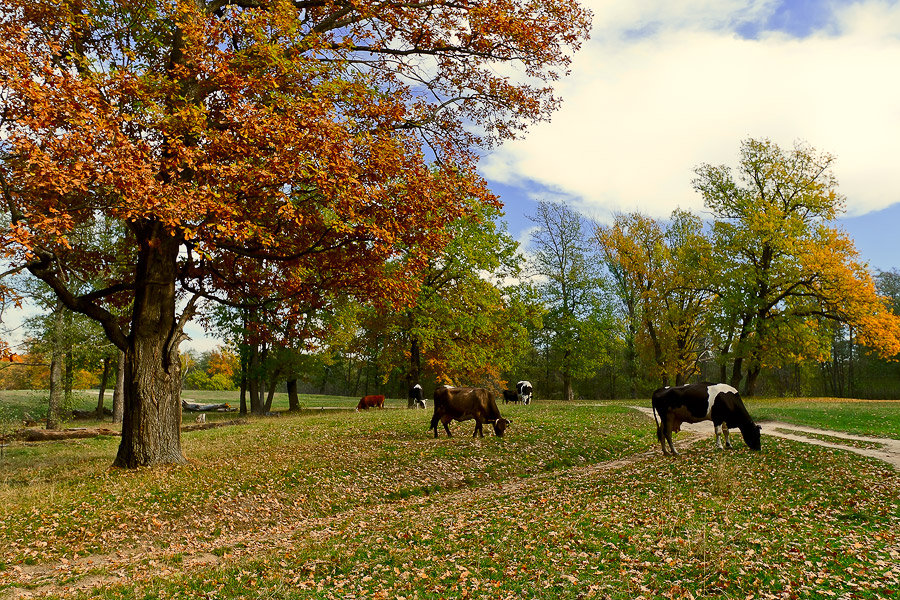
point(462, 404)
point(523, 389)
point(697, 402)
point(416, 397)
point(370, 402)
point(510, 396)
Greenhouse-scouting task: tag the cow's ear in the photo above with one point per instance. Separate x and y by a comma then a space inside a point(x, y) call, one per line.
point(759, 427)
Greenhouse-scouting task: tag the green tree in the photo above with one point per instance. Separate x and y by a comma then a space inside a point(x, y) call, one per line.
point(658, 272)
point(577, 320)
point(888, 285)
point(465, 321)
point(784, 268)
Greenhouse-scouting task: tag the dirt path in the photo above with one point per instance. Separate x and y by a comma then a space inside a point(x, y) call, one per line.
point(884, 449)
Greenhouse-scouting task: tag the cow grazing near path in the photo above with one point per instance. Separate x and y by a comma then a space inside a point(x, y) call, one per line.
point(416, 397)
point(524, 390)
point(697, 402)
point(463, 404)
point(510, 396)
point(370, 402)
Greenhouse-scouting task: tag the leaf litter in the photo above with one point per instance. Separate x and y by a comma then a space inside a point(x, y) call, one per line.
point(791, 521)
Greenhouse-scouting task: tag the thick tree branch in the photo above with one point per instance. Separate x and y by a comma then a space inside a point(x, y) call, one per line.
point(43, 269)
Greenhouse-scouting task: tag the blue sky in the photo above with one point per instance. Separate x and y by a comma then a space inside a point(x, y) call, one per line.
point(663, 86)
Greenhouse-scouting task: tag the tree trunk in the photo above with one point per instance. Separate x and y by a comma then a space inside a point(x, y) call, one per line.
point(736, 373)
point(151, 432)
point(631, 361)
point(752, 376)
point(56, 391)
point(293, 398)
point(70, 372)
point(253, 380)
point(851, 391)
point(103, 379)
point(415, 369)
point(270, 397)
point(56, 369)
point(359, 372)
point(119, 392)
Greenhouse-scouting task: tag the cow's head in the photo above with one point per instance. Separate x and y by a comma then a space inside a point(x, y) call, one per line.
point(420, 402)
point(500, 426)
point(750, 433)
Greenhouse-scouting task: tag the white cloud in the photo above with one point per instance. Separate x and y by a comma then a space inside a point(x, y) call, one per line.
point(641, 112)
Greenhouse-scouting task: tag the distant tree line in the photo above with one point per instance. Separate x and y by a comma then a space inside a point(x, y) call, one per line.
point(769, 296)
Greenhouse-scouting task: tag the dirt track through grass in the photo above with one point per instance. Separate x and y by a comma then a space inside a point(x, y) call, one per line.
point(885, 449)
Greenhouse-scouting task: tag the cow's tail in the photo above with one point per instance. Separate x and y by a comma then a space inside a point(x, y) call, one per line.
point(659, 432)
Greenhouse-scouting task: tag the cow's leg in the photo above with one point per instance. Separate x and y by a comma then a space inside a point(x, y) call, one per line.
point(446, 420)
point(717, 427)
point(661, 438)
point(668, 426)
point(478, 431)
point(434, 423)
point(725, 435)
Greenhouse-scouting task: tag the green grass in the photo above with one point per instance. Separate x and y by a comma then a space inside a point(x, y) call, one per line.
point(861, 417)
point(575, 502)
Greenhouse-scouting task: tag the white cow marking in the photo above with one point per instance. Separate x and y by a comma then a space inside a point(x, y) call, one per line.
point(715, 390)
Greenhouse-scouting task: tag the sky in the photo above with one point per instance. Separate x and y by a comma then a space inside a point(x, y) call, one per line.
point(664, 86)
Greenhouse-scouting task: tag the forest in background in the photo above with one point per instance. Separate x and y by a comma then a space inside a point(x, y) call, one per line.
point(585, 311)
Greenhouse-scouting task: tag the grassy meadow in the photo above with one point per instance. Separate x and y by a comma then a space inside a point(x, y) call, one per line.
point(575, 502)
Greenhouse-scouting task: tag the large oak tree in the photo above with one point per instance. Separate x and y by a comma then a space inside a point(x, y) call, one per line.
point(272, 150)
point(784, 266)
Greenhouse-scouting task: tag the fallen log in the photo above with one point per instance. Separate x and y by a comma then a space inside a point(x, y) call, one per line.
point(196, 407)
point(213, 425)
point(47, 435)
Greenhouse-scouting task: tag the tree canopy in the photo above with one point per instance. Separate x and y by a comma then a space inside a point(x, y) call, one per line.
point(783, 266)
point(567, 275)
point(278, 151)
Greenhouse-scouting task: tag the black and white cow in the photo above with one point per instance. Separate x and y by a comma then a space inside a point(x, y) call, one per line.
point(416, 397)
point(523, 390)
point(695, 402)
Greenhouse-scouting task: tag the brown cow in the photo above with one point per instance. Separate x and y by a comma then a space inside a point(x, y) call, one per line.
point(462, 404)
point(370, 402)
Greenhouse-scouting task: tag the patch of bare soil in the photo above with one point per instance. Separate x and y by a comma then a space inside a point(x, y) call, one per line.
point(884, 449)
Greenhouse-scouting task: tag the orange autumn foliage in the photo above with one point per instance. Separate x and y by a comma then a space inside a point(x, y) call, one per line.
point(271, 155)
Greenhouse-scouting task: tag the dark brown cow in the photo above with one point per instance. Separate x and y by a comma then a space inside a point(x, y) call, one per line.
point(370, 402)
point(462, 404)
